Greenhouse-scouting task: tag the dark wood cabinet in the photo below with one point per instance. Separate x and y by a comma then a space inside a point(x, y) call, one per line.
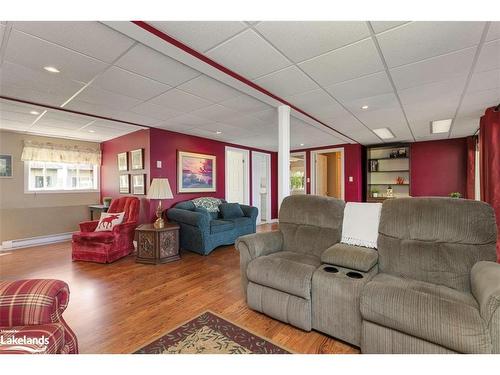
point(155, 246)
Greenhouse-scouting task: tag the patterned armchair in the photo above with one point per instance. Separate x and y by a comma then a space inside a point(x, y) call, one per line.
point(106, 247)
point(33, 309)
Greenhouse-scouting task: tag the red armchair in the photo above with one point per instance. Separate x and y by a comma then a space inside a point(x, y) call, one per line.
point(33, 309)
point(106, 247)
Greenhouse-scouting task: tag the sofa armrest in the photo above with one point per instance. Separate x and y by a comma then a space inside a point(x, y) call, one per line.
point(250, 211)
point(350, 256)
point(485, 285)
point(31, 302)
point(258, 244)
point(196, 219)
point(89, 226)
point(124, 228)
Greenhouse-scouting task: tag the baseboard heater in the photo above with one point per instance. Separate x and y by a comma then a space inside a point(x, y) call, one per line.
point(35, 241)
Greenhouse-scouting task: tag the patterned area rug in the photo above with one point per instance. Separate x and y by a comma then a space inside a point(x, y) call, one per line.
point(210, 334)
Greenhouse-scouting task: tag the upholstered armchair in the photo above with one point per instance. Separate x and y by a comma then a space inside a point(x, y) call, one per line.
point(33, 309)
point(106, 247)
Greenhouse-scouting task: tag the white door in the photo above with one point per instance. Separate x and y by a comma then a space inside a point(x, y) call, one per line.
point(261, 185)
point(322, 175)
point(237, 175)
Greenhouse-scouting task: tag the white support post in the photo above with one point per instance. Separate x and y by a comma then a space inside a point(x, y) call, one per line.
point(283, 153)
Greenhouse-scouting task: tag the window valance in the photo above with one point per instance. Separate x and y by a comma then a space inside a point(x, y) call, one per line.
point(50, 152)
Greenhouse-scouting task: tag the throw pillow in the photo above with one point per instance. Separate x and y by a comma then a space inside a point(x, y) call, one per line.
point(360, 224)
point(231, 210)
point(109, 220)
point(211, 204)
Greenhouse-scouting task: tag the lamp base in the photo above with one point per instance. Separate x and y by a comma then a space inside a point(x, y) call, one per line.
point(159, 223)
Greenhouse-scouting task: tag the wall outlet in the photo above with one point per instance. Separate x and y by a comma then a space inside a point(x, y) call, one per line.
point(158, 164)
point(351, 179)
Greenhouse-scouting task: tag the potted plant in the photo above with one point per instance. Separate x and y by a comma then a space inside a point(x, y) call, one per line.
point(455, 194)
point(375, 193)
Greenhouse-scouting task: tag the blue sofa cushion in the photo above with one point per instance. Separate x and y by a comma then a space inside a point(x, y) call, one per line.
point(242, 221)
point(186, 205)
point(217, 226)
point(231, 211)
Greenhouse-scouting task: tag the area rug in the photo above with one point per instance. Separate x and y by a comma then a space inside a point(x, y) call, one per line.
point(210, 334)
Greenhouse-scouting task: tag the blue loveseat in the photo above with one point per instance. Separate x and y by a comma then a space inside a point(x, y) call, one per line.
point(202, 231)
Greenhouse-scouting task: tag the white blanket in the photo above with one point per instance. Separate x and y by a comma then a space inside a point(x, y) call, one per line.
point(360, 226)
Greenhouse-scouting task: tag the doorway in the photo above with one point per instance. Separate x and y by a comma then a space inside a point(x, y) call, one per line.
point(261, 185)
point(237, 175)
point(327, 170)
point(298, 176)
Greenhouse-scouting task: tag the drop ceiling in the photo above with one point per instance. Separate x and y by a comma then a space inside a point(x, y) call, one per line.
point(407, 73)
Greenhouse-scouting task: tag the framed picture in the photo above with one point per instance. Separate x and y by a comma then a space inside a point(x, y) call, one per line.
point(139, 184)
point(5, 166)
point(137, 157)
point(196, 172)
point(123, 162)
point(124, 184)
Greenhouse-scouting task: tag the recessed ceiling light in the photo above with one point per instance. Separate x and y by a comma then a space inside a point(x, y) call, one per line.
point(384, 133)
point(51, 69)
point(91, 131)
point(441, 126)
point(364, 107)
point(218, 132)
point(302, 144)
point(34, 113)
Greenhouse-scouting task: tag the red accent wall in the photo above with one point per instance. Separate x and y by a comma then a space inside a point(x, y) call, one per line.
point(163, 145)
point(109, 167)
point(353, 191)
point(438, 167)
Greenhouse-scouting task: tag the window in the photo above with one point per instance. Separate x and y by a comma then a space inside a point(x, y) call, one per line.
point(45, 176)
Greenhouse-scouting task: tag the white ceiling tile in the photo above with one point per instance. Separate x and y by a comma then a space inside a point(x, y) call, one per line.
point(155, 65)
point(191, 120)
point(475, 103)
point(420, 40)
point(156, 111)
point(35, 96)
point(380, 26)
point(123, 82)
point(245, 121)
point(209, 88)
point(484, 81)
point(494, 31)
point(215, 112)
point(289, 81)
point(2, 31)
point(317, 102)
point(345, 63)
point(63, 121)
point(95, 95)
point(180, 101)
point(200, 35)
point(434, 69)
point(249, 55)
point(90, 38)
point(465, 126)
point(269, 116)
point(14, 125)
point(35, 53)
point(245, 104)
point(370, 85)
point(489, 58)
point(301, 40)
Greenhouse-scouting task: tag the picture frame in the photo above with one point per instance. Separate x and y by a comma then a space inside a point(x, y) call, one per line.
point(139, 184)
point(122, 159)
point(137, 159)
point(196, 173)
point(6, 170)
point(124, 184)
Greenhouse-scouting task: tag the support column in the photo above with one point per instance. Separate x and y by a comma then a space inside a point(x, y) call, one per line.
point(283, 153)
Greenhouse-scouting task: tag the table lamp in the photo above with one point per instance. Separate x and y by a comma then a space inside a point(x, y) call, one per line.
point(159, 189)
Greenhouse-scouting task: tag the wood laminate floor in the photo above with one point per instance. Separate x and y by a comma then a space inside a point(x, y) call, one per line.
point(119, 307)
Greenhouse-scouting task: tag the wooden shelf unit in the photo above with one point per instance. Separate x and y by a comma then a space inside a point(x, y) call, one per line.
point(382, 170)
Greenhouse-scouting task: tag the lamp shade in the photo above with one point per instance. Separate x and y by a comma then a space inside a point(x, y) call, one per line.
point(160, 189)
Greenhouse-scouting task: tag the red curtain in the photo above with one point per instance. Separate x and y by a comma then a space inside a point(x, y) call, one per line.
point(471, 167)
point(489, 148)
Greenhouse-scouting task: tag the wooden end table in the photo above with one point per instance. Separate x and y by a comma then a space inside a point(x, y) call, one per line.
point(156, 246)
point(97, 208)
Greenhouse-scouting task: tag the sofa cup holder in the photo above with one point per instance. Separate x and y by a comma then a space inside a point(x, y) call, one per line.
point(331, 269)
point(354, 275)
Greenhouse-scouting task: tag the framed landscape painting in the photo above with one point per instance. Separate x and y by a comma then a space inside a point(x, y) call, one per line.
point(139, 184)
point(123, 161)
point(196, 172)
point(137, 157)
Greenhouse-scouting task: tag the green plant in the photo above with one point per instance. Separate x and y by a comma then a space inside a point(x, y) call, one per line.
point(375, 191)
point(455, 194)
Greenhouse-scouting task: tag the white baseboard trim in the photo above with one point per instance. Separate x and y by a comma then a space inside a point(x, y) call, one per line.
point(35, 241)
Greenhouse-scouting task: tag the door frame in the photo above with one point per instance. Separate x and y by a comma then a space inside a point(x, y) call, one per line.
point(342, 170)
point(304, 153)
point(269, 189)
point(246, 172)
